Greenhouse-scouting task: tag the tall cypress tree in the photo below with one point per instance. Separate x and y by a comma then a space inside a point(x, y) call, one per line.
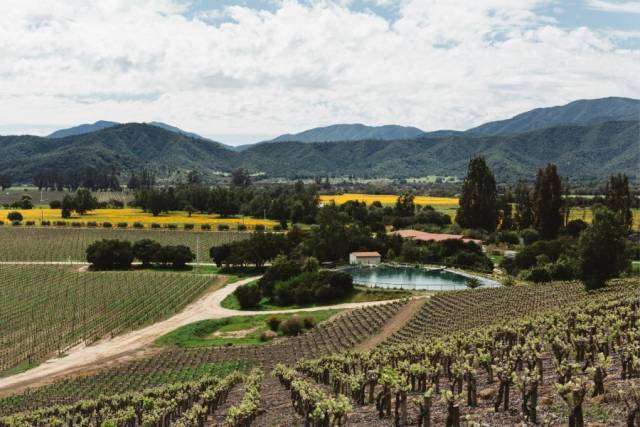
point(548, 203)
point(524, 216)
point(618, 199)
point(479, 198)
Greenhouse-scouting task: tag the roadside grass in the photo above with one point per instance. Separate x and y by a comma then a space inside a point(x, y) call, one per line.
point(360, 294)
point(18, 369)
point(225, 332)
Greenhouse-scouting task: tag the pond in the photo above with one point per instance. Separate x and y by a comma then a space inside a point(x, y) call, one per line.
point(413, 278)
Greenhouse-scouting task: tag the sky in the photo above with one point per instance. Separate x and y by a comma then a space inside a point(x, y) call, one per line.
point(241, 71)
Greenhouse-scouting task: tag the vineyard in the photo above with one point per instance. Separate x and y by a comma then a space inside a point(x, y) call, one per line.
point(176, 364)
point(59, 244)
point(44, 310)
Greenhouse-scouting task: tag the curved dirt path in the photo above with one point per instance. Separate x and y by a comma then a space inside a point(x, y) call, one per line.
point(84, 359)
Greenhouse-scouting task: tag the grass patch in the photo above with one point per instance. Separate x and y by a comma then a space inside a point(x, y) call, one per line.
point(18, 369)
point(360, 294)
point(224, 332)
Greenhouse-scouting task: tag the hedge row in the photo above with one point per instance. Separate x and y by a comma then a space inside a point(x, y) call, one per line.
point(139, 225)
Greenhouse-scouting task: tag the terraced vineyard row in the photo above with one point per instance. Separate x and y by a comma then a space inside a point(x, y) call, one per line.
point(335, 335)
point(180, 404)
point(47, 309)
point(580, 363)
point(460, 311)
point(59, 244)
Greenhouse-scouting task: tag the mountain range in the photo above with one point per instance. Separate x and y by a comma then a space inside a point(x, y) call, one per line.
point(588, 140)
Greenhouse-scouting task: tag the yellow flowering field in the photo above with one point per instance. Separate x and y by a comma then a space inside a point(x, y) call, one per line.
point(131, 216)
point(388, 199)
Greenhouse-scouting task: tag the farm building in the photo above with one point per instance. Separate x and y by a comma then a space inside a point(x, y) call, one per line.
point(367, 258)
point(423, 236)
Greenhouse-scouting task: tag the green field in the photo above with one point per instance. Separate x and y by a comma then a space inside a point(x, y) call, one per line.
point(44, 310)
point(237, 330)
point(69, 244)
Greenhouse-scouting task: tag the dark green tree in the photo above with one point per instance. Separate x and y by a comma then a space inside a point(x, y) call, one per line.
point(145, 250)
point(524, 215)
point(548, 202)
point(84, 201)
point(479, 198)
point(5, 181)
point(248, 296)
point(619, 200)
point(405, 205)
point(602, 250)
point(105, 254)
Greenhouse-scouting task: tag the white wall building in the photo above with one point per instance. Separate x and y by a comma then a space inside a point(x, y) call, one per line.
point(366, 258)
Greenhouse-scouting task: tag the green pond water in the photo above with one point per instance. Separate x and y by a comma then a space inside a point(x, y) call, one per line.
point(412, 278)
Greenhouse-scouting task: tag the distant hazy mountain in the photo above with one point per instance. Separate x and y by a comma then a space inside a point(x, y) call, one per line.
point(82, 129)
point(583, 112)
point(103, 124)
point(353, 132)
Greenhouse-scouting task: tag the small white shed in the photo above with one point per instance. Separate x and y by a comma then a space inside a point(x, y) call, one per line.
point(366, 258)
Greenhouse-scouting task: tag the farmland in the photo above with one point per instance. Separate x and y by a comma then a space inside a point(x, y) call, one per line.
point(69, 244)
point(44, 310)
point(130, 216)
point(388, 199)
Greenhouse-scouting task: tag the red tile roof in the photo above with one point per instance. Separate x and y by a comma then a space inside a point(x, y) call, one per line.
point(437, 237)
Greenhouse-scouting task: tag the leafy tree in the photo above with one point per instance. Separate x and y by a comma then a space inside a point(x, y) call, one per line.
point(405, 205)
point(145, 250)
point(619, 200)
point(524, 215)
point(5, 181)
point(506, 215)
point(240, 178)
point(83, 201)
point(602, 250)
point(55, 204)
point(178, 256)
point(105, 254)
point(548, 202)
point(220, 254)
point(14, 216)
point(479, 199)
point(248, 296)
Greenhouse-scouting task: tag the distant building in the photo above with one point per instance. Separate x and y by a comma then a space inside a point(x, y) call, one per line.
point(423, 236)
point(366, 258)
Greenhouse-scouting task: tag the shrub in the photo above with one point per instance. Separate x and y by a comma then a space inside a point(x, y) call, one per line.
point(105, 254)
point(92, 224)
point(16, 223)
point(155, 225)
point(188, 226)
point(172, 226)
point(45, 223)
point(537, 275)
point(529, 236)
point(65, 213)
point(260, 227)
point(223, 227)
point(508, 281)
point(309, 322)
point(178, 256)
point(292, 326)
point(107, 225)
point(508, 237)
point(241, 227)
point(122, 225)
point(55, 204)
point(76, 224)
point(14, 216)
point(277, 227)
point(138, 225)
point(274, 323)
point(61, 223)
point(575, 227)
point(30, 223)
point(268, 335)
point(205, 227)
point(145, 250)
point(473, 283)
point(248, 296)
point(1, 222)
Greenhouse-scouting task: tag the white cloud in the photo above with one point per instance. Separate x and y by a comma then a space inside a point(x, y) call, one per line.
point(441, 64)
point(612, 6)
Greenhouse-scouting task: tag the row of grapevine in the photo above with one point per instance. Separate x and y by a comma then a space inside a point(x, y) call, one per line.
point(47, 309)
point(61, 245)
point(569, 354)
